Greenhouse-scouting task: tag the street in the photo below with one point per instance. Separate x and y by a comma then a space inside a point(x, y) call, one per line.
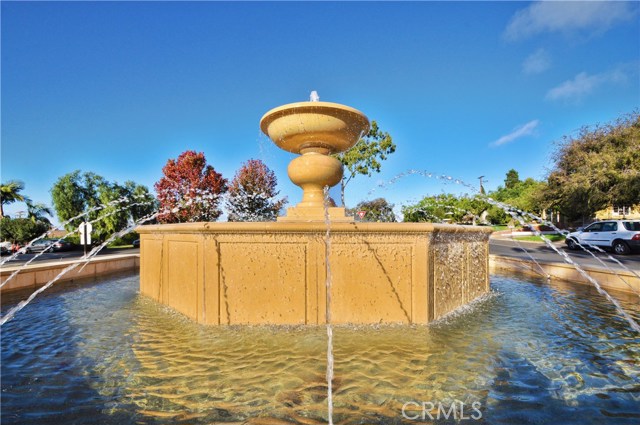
point(541, 252)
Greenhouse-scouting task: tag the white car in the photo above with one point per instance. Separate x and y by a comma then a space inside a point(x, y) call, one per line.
point(622, 236)
point(5, 247)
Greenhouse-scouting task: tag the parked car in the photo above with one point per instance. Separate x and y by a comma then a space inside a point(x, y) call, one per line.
point(5, 248)
point(622, 236)
point(136, 243)
point(62, 245)
point(41, 245)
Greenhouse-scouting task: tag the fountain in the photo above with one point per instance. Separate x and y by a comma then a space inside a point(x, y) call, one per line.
point(101, 353)
point(275, 273)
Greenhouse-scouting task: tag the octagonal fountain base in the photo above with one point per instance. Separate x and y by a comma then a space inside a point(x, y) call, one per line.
point(275, 273)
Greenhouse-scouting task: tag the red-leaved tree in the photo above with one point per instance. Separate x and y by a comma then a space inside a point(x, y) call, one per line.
point(252, 193)
point(190, 190)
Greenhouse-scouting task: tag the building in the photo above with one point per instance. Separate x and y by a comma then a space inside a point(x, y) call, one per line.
point(618, 212)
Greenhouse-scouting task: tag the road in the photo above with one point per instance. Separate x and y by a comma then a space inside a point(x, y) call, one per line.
point(541, 252)
point(67, 255)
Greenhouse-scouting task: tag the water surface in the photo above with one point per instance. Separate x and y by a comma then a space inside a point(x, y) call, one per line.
point(529, 352)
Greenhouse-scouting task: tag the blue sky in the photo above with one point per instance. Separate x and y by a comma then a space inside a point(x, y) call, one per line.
point(465, 88)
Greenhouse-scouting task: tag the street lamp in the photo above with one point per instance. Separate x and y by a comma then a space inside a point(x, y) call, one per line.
point(481, 188)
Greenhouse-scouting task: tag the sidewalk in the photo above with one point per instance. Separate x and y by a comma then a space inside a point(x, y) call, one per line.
point(510, 237)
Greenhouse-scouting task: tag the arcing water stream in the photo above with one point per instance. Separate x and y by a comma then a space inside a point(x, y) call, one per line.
point(48, 248)
point(518, 215)
point(92, 254)
point(63, 224)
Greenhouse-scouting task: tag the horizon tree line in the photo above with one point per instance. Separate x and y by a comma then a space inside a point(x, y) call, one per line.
point(598, 167)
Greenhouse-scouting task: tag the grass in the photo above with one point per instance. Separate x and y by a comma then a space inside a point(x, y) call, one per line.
point(120, 246)
point(552, 238)
point(497, 228)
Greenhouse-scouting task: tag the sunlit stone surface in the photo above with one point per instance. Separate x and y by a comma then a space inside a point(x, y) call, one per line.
point(315, 130)
point(274, 273)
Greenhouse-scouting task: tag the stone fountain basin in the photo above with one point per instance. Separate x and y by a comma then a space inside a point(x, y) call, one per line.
point(314, 126)
point(275, 273)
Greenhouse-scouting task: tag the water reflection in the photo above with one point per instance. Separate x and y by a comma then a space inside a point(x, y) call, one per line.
point(530, 352)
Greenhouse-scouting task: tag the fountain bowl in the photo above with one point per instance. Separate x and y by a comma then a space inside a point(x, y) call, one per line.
point(321, 127)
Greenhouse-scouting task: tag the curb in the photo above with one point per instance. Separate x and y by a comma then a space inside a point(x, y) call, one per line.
point(36, 275)
point(616, 279)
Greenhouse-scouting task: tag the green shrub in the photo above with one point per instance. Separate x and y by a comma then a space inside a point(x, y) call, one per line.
point(21, 230)
point(74, 239)
point(125, 240)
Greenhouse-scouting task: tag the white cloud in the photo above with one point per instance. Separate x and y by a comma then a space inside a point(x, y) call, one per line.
point(567, 17)
point(537, 62)
point(584, 84)
point(521, 131)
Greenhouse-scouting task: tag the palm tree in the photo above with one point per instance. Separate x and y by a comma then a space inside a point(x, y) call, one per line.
point(36, 212)
point(10, 193)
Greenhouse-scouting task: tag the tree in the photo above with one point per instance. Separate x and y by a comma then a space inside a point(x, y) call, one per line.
point(190, 190)
point(37, 211)
point(110, 205)
point(68, 198)
point(114, 216)
point(377, 210)
point(598, 168)
point(446, 207)
point(10, 193)
point(364, 158)
point(512, 179)
point(93, 191)
point(497, 215)
point(253, 195)
point(144, 203)
point(523, 195)
point(21, 230)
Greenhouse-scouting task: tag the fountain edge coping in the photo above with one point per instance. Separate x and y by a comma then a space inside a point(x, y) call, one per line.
point(38, 274)
point(65, 262)
point(305, 106)
point(311, 226)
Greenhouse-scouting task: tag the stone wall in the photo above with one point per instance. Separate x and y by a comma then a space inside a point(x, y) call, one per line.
point(276, 273)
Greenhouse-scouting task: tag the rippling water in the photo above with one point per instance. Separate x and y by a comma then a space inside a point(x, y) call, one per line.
point(527, 353)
